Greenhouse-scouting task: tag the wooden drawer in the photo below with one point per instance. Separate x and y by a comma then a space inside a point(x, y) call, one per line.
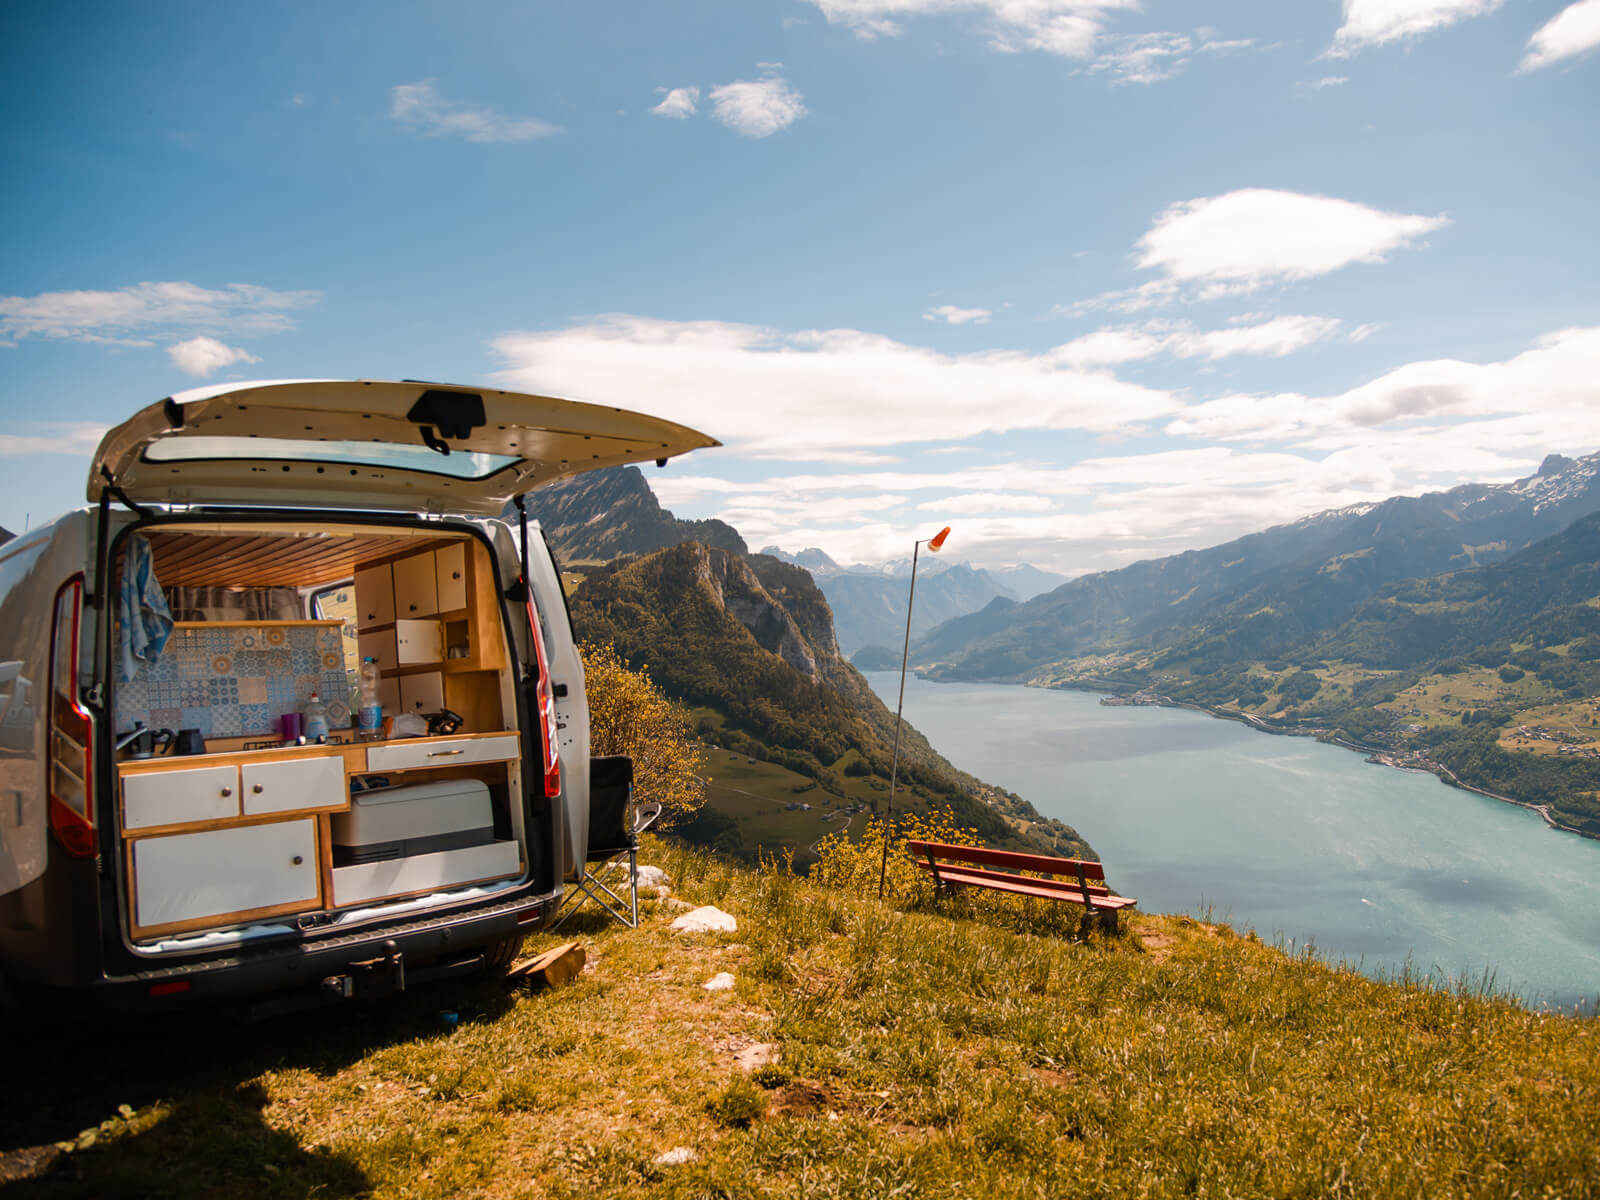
point(400, 756)
point(187, 880)
point(294, 784)
point(177, 797)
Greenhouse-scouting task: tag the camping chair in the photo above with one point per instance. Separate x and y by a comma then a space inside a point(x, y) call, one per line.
point(614, 829)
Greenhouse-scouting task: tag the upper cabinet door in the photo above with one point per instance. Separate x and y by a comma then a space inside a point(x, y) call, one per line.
point(374, 596)
point(450, 574)
point(416, 588)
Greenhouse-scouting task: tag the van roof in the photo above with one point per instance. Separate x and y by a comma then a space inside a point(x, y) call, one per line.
point(370, 444)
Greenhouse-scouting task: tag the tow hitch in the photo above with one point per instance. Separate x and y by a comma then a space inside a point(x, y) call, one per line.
point(371, 978)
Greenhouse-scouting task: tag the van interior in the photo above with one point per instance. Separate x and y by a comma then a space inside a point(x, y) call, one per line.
point(233, 823)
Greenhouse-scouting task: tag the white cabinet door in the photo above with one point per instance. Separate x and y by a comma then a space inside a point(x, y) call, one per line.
point(422, 693)
point(224, 872)
point(379, 645)
point(295, 783)
point(416, 589)
point(176, 797)
point(374, 596)
point(438, 752)
point(418, 642)
point(450, 573)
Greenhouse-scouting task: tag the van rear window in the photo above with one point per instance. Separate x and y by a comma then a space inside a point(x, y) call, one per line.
point(458, 464)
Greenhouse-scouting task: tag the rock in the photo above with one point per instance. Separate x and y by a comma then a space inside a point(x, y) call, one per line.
point(676, 1157)
point(720, 982)
point(653, 877)
point(708, 919)
point(761, 1054)
point(673, 904)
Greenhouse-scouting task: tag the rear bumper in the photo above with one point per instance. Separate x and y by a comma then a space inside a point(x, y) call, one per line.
point(440, 945)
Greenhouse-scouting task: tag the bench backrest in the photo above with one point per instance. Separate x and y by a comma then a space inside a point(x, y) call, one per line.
point(983, 856)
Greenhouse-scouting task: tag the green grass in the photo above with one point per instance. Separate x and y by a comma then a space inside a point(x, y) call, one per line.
point(923, 1051)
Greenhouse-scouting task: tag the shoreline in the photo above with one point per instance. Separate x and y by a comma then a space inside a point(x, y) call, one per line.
point(1378, 755)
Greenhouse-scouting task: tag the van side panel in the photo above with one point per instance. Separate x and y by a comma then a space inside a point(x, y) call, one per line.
point(32, 568)
point(572, 710)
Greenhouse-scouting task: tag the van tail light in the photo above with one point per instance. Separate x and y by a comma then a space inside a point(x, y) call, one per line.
point(70, 733)
point(545, 698)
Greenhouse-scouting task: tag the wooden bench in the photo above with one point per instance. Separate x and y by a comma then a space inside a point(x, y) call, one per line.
point(969, 866)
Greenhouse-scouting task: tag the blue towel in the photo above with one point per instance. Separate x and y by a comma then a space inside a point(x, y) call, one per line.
point(144, 622)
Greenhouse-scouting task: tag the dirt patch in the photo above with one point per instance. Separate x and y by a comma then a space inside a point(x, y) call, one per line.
point(802, 1099)
point(1157, 945)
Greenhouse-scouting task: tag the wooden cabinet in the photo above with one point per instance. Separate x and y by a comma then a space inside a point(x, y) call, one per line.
point(180, 797)
point(293, 784)
point(379, 645)
point(422, 693)
point(374, 596)
point(416, 586)
point(191, 880)
point(450, 577)
point(418, 642)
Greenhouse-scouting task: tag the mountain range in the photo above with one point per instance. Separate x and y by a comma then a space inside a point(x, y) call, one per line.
point(869, 603)
point(1259, 594)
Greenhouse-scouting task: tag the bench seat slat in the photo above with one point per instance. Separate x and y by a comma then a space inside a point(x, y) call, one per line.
point(1008, 858)
point(1050, 889)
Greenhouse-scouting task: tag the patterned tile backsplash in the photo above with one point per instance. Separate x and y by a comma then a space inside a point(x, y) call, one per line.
point(237, 682)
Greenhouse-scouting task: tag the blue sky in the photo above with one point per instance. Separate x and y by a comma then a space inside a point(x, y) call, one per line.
point(1089, 280)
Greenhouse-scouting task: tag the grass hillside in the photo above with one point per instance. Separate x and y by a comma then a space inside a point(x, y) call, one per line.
point(909, 1050)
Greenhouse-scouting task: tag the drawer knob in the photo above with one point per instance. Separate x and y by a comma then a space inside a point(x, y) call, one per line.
point(258, 789)
point(297, 860)
point(227, 791)
point(413, 608)
point(455, 574)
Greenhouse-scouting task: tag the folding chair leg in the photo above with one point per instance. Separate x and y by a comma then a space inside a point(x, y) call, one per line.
point(591, 887)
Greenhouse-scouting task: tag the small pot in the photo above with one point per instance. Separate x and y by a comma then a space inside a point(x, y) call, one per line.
point(189, 741)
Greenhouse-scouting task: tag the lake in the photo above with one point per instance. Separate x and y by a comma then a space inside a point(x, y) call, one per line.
point(1292, 838)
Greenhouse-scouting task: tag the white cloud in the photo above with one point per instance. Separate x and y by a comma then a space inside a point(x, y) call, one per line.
point(757, 108)
point(1271, 338)
point(1379, 22)
point(126, 315)
point(1323, 84)
point(952, 315)
point(813, 392)
point(420, 106)
point(1245, 240)
point(201, 356)
point(1144, 57)
point(79, 439)
point(987, 502)
point(1065, 27)
point(1571, 33)
point(680, 102)
point(1546, 396)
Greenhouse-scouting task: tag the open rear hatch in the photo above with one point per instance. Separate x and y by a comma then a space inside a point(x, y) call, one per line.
point(369, 444)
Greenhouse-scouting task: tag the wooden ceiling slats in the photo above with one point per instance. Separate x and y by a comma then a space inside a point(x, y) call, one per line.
point(273, 560)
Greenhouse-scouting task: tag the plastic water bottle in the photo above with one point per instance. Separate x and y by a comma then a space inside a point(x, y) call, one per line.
point(316, 720)
point(369, 718)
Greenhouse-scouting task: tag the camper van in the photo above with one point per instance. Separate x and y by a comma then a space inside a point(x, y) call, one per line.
point(192, 808)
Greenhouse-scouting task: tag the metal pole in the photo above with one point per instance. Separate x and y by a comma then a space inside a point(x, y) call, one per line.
point(894, 770)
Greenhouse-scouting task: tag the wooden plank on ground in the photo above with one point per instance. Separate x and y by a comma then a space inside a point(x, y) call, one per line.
point(554, 968)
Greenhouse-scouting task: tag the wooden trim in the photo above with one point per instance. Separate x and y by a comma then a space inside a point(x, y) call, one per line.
point(356, 751)
point(325, 858)
point(185, 625)
point(239, 822)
